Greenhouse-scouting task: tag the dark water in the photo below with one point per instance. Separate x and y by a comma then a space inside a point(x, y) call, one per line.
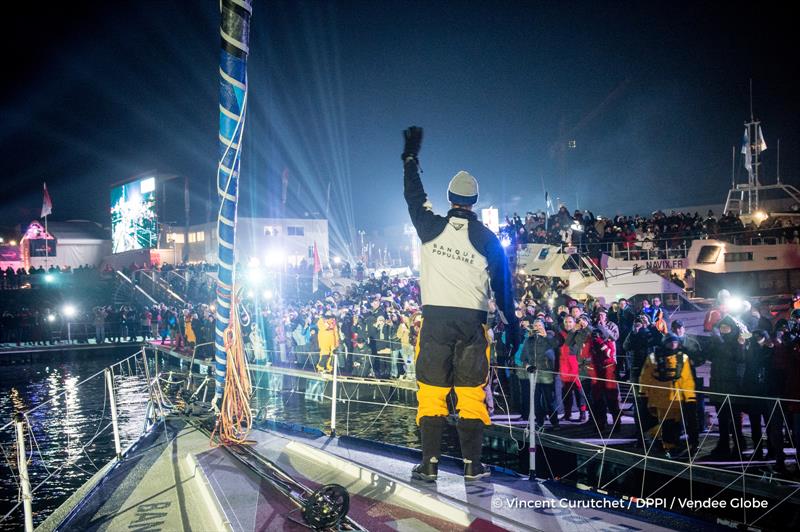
point(66, 436)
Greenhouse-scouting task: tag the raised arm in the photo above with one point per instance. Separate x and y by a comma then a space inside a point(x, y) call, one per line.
point(422, 216)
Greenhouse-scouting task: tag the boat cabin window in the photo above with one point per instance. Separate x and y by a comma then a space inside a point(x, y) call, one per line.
point(739, 256)
point(571, 264)
point(708, 254)
point(543, 254)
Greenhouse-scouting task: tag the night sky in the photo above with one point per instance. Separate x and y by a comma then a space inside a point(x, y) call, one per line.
point(654, 96)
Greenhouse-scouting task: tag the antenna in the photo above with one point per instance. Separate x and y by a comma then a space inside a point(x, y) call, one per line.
point(779, 161)
point(733, 166)
point(751, 99)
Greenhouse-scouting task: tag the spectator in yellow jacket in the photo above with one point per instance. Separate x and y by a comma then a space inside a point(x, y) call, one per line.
point(666, 380)
point(328, 338)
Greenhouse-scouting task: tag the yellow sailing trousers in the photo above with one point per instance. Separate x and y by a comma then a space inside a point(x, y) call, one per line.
point(452, 354)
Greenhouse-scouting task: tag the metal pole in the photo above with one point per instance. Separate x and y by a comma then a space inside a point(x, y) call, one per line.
point(333, 393)
point(24, 479)
point(114, 419)
point(69, 332)
point(532, 425)
point(756, 163)
point(185, 248)
point(147, 377)
point(46, 250)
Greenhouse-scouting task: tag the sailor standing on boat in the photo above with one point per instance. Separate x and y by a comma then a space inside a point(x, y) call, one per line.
point(461, 262)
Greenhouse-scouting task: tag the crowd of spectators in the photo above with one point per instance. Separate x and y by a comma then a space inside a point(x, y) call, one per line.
point(656, 233)
point(12, 279)
point(581, 353)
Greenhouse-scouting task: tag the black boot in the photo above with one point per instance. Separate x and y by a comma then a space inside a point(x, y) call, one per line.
point(475, 471)
point(430, 431)
point(427, 471)
point(470, 436)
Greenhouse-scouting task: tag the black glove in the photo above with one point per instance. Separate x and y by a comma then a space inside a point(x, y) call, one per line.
point(531, 369)
point(413, 142)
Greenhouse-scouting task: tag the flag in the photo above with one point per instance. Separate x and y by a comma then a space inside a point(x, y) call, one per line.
point(547, 202)
point(746, 148)
point(317, 269)
point(47, 204)
point(761, 144)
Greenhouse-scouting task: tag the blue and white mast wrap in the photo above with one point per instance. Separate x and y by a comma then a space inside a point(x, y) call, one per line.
point(235, 34)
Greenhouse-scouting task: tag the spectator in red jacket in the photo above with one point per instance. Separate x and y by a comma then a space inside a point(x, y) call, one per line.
point(568, 372)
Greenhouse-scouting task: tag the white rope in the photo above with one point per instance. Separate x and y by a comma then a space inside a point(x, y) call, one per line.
point(520, 445)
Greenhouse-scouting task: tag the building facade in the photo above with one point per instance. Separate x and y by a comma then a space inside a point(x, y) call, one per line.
point(268, 240)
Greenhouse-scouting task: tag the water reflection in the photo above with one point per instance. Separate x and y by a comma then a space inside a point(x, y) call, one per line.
point(74, 413)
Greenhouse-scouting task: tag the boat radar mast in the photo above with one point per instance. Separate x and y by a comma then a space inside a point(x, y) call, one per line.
point(743, 198)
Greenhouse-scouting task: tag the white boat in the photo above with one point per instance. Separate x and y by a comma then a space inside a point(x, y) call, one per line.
point(607, 281)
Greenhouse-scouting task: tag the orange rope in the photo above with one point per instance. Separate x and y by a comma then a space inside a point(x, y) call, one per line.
point(235, 418)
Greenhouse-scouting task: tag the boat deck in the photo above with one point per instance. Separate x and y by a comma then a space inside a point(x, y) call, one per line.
point(173, 480)
point(484, 505)
point(156, 487)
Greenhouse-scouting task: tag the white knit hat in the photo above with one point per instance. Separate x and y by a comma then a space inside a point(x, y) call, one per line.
point(463, 189)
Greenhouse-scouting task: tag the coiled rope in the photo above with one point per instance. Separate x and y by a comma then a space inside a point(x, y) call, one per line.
point(235, 417)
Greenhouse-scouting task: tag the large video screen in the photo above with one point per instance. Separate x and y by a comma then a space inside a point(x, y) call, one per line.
point(134, 224)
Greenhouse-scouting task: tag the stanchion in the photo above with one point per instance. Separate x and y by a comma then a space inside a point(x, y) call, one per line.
point(150, 382)
point(114, 422)
point(532, 425)
point(24, 479)
point(333, 393)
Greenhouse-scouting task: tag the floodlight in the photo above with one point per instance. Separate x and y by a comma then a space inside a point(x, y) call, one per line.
point(255, 276)
point(274, 257)
point(70, 311)
point(734, 304)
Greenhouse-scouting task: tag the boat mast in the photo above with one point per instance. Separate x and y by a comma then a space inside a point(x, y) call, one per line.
point(234, 33)
point(753, 150)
